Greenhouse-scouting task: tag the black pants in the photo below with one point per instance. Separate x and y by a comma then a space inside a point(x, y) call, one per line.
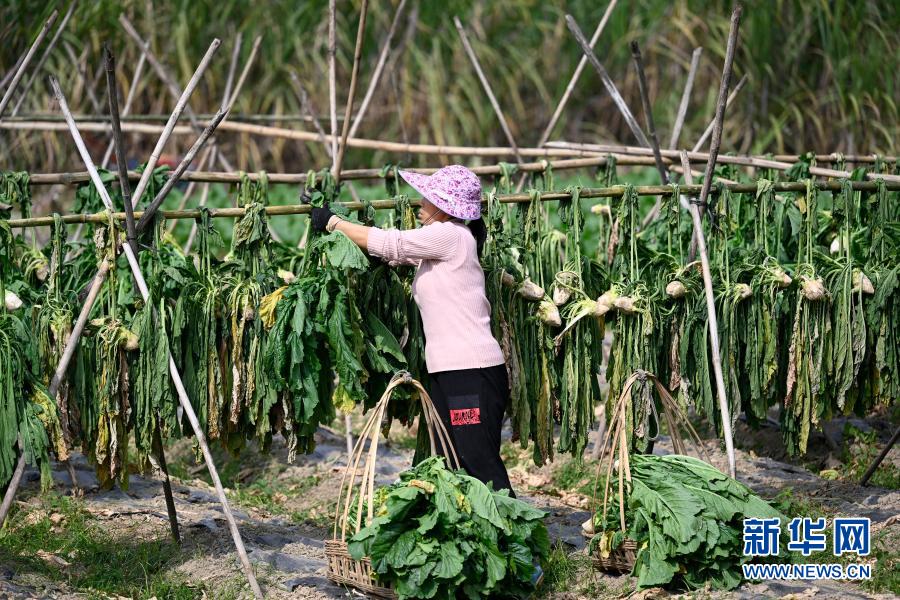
point(471, 403)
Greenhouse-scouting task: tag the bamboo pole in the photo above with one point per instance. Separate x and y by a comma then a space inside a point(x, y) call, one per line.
point(131, 237)
point(80, 65)
point(354, 76)
point(709, 128)
point(43, 59)
point(14, 483)
point(685, 98)
point(747, 161)
point(350, 174)
point(332, 77)
point(548, 130)
point(648, 111)
point(607, 82)
point(698, 231)
point(20, 71)
point(473, 58)
point(308, 136)
point(553, 149)
point(170, 126)
point(121, 163)
point(227, 102)
point(167, 79)
point(306, 105)
point(135, 78)
point(173, 369)
point(379, 67)
point(548, 196)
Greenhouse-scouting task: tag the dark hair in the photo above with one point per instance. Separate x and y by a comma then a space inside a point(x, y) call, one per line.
point(479, 232)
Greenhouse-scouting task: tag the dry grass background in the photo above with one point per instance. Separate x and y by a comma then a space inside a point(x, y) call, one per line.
point(823, 75)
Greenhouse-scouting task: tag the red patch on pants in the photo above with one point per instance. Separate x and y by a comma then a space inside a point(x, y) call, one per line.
point(465, 416)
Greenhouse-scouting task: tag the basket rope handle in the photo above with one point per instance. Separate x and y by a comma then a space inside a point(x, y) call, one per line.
point(437, 434)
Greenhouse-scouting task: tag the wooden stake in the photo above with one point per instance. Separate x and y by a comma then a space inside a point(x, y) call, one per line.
point(713, 325)
point(607, 83)
point(648, 111)
point(487, 89)
point(14, 483)
point(173, 369)
point(685, 98)
point(40, 64)
point(20, 71)
point(354, 73)
point(379, 67)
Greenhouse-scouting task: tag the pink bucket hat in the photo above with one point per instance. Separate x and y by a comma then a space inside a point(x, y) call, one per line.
point(454, 189)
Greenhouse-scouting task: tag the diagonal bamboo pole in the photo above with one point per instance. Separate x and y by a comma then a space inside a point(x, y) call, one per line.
point(473, 58)
point(698, 232)
point(168, 80)
point(20, 71)
point(554, 119)
point(81, 69)
point(131, 237)
point(227, 103)
point(376, 74)
point(138, 71)
point(348, 107)
point(332, 77)
point(561, 105)
point(44, 55)
point(607, 83)
point(648, 111)
point(170, 125)
point(173, 369)
point(685, 98)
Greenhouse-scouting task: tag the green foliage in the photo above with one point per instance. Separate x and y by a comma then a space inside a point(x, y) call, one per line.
point(687, 519)
point(436, 532)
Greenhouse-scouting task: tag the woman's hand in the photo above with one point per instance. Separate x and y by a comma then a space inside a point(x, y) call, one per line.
point(319, 218)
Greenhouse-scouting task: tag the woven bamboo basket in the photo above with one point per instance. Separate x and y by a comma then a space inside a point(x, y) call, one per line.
point(342, 568)
point(620, 560)
point(615, 444)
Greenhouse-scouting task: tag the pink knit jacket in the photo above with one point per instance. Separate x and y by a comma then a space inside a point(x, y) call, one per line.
point(449, 290)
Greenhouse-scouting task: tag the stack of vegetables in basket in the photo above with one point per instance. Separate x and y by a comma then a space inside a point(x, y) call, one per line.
point(435, 532)
point(438, 531)
point(686, 518)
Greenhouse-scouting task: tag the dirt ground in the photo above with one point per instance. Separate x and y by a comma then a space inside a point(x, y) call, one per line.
point(284, 512)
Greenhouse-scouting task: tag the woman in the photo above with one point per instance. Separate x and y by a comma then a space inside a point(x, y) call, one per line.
point(467, 368)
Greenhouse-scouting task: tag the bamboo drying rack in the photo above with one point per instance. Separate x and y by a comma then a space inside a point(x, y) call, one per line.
point(545, 196)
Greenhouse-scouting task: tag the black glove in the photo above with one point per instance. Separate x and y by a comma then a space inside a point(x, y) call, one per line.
point(320, 218)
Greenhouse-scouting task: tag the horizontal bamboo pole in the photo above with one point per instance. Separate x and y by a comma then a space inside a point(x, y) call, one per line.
point(158, 117)
point(555, 149)
point(303, 136)
point(223, 177)
point(747, 161)
point(608, 192)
